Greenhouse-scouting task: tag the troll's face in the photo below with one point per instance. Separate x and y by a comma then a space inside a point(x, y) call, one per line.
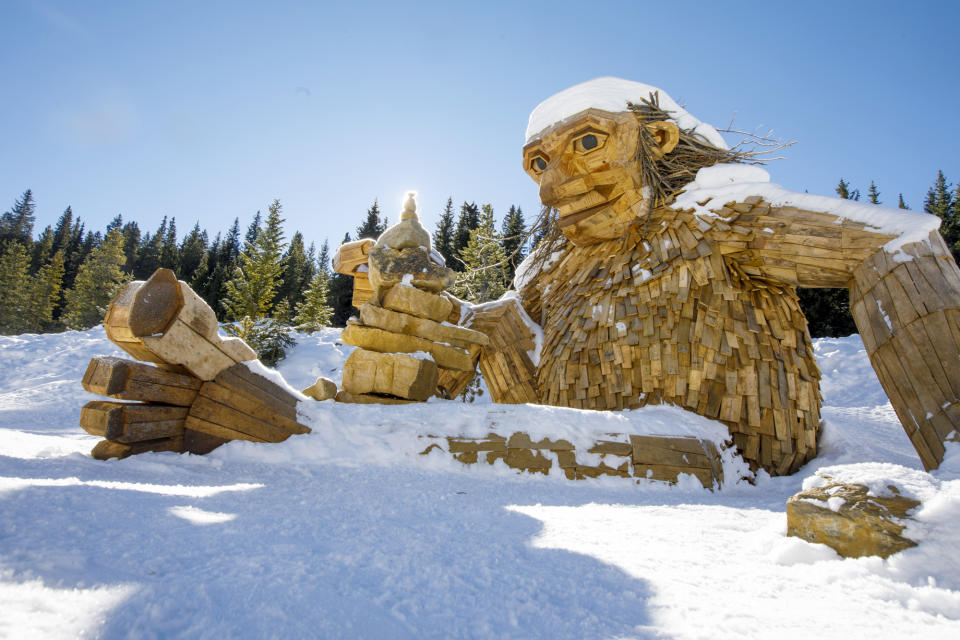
point(587, 169)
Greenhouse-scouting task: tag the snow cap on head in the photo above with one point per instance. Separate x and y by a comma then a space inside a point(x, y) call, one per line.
point(613, 94)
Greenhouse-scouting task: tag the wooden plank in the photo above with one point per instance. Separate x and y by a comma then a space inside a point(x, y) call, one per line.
point(251, 406)
point(131, 422)
point(105, 449)
point(208, 410)
point(129, 380)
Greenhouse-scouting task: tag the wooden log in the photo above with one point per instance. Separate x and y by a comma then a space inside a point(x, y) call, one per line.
point(362, 289)
point(387, 342)
point(106, 449)
point(451, 383)
point(241, 404)
point(164, 321)
point(130, 380)
point(132, 422)
point(376, 316)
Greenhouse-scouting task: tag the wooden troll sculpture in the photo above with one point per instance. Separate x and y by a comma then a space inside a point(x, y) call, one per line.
point(675, 281)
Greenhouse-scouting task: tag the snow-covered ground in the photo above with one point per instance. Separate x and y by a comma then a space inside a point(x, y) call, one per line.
point(348, 532)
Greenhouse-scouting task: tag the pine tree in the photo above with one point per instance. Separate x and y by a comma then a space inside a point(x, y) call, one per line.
point(191, 252)
point(939, 202)
point(873, 194)
point(323, 260)
point(98, 280)
point(443, 238)
point(372, 226)
point(514, 233)
point(251, 293)
point(252, 230)
point(131, 245)
point(468, 221)
point(42, 250)
point(17, 223)
point(222, 264)
point(313, 312)
point(116, 223)
point(45, 295)
point(148, 258)
point(169, 252)
point(902, 204)
point(14, 286)
point(252, 290)
point(483, 278)
point(843, 190)
point(297, 272)
point(341, 295)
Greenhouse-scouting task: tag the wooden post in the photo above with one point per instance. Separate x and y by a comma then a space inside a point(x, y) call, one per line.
point(908, 313)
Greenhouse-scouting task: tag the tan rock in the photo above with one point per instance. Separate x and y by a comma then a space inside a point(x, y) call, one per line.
point(408, 232)
point(394, 374)
point(375, 339)
point(322, 389)
point(375, 316)
point(417, 303)
point(390, 266)
point(345, 396)
point(851, 522)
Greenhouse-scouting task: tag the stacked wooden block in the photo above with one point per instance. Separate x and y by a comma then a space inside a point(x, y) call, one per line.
point(649, 457)
point(197, 391)
point(406, 344)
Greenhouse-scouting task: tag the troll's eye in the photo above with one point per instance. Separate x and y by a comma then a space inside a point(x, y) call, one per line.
point(588, 142)
point(538, 164)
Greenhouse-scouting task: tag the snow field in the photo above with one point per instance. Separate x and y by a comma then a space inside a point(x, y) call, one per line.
point(348, 532)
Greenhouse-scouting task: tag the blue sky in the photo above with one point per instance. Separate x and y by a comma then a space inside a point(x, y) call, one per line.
point(208, 111)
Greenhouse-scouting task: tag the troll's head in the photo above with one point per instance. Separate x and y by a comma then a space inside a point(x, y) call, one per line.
point(605, 151)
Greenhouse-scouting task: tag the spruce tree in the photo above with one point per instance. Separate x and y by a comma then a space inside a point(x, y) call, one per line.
point(372, 225)
point(42, 250)
point(313, 312)
point(297, 271)
point(468, 221)
point(116, 223)
point(45, 295)
point(939, 202)
point(443, 238)
point(98, 281)
point(514, 233)
point(170, 252)
point(131, 245)
point(191, 252)
point(873, 194)
point(323, 260)
point(17, 223)
point(14, 286)
point(483, 278)
point(252, 230)
point(251, 294)
point(844, 191)
point(902, 204)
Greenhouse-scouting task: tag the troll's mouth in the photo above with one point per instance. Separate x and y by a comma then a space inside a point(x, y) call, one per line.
point(579, 216)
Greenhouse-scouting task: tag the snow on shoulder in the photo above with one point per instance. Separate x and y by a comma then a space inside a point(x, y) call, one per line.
point(612, 94)
point(722, 183)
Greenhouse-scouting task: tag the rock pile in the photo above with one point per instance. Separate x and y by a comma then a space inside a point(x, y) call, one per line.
point(407, 341)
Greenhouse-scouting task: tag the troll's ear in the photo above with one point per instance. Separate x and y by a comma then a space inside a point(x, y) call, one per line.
point(665, 134)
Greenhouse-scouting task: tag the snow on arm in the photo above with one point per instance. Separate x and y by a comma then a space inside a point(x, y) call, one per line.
point(715, 186)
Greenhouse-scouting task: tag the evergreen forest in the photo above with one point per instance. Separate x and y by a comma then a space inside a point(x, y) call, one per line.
point(264, 284)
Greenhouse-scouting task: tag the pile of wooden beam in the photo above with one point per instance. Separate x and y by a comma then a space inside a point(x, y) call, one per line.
point(410, 347)
point(191, 390)
point(646, 457)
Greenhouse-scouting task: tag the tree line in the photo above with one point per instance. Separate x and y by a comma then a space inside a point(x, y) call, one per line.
point(260, 283)
point(264, 285)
